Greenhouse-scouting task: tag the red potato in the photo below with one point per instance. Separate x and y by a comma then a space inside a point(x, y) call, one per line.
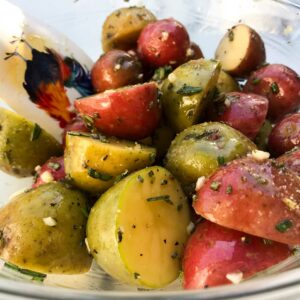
point(164, 42)
point(285, 135)
point(241, 50)
point(278, 83)
point(215, 255)
point(253, 196)
point(131, 112)
point(290, 160)
point(76, 124)
point(244, 112)
point(193, 52)
point(114, 69)
point(52, 170)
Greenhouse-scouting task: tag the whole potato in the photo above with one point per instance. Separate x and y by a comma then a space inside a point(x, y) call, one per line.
point(44, 230)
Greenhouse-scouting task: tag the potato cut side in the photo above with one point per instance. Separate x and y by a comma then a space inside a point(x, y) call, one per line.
point(138, 228)
point(94, 164)
point(241, 50)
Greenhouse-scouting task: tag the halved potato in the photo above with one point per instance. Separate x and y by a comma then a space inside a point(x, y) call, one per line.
point(94, 164)
point(122, 27)
point(241, 50)
point(137, 229)
point(227, 83)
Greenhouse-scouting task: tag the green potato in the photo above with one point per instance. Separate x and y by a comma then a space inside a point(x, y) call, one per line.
point(138, 228)
point(44, 230)
point(187, 90)
point(200, 149)
point(94, 164)
point(23, 144)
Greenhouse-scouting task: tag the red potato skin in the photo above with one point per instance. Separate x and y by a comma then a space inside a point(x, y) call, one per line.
point(114, 69)
point(156, 49)
point(76, 124)
point(285, 95)
point(290, 160)
point(285, 135)
point(213, 251)
point(130, 113)
point(58, 174)
point(256, 203)
point(244, 112)
point(195, 52)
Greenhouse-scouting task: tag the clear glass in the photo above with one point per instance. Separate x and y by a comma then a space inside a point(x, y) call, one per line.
point(278, 22)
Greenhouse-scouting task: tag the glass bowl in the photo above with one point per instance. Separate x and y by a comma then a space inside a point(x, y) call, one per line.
point(278, 22)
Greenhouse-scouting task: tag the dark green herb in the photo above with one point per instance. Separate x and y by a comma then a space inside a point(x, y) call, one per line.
point(230, 35)
point(151, 173)
point(284, 226)
point(229, 189)
point(187, 90)
point(165, 198)
point(36, 132)
point(140, 179)
point(99, 175)
point(121, 176)
point(221, 160)
point(89, 122)
point(205, 134)
point(84, 211)
point(35, 275)
point(256, 80)
point(120, 235)
point(267, 242)
point(161, 73)
point(54, 165)
point(274, 88)
point(215, 185)
point(136, 275)
point(164, 182)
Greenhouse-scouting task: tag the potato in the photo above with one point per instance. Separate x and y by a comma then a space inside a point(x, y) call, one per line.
point(255, 196)
point(23, 144)
point(244, 112)
point(290, 160)
point(164, 42)
point(201, 149)
point(131, 112)
point(241, 50)
point(186, 91)
point(285, 135)
point(216, 255)
point(44, 230)
point(137, 229)
point(194, 52)
point(226, 83)
point(278, 83)
point(122, 27)
point(76, 124)
point(114, 69)
point(94, 163)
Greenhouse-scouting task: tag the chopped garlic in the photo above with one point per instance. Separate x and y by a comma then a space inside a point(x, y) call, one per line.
point(87, 245)
point(260, 155)
point(199, 183)
point(117, 67)
point(164, 36)
point(49, 221)
point(290, 203)
point(235, 278)
point(172, 77)
point(47, 177)
point(190, 52)
point(227, 102)
point(190, 228)
point(37, 168)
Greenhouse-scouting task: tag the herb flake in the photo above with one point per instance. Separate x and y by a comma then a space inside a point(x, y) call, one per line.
point(99, 175)
point(284, 226)
point(274, 87)
point(36, 132)
point(221, 160)
point(54, 165)
point(187, 90)
point(165, 198)
point(215, 185)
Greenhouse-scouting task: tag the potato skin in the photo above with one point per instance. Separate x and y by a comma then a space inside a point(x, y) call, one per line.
point(278, 83)
point(194, 52)
point(290, 160)
point(213, 251)
point(164, 42)
point(122, 27)
point(200, 149)
point(29, 243)
point(114, 69)
point(257, 197)
point(244, 112)
point(285, 135)
point(23, 144)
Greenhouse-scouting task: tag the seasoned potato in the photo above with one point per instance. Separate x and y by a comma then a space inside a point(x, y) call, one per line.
point(23, 144)
point(241, 50)
point(226, 83)
point(94, 163)
point(122, 27)
point(201, 149)
point(137, 229)
point(185, 92)
point(44, 230)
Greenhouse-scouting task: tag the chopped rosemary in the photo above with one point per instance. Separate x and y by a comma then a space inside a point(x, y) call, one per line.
point(215, 185)
point(274, 87)
point(221, 160)
point(120, 235)
point(256, 80)
point(36, 132)
point(99, 175)
point(165, 198)
point(121, 176)
point(229, 189)
point(54, 165)
point(187, 90)
point(284, 226)
point(161, 73)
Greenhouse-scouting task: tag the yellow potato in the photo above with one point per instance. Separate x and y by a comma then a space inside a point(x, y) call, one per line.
point(122, 27)
point(137, 229)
